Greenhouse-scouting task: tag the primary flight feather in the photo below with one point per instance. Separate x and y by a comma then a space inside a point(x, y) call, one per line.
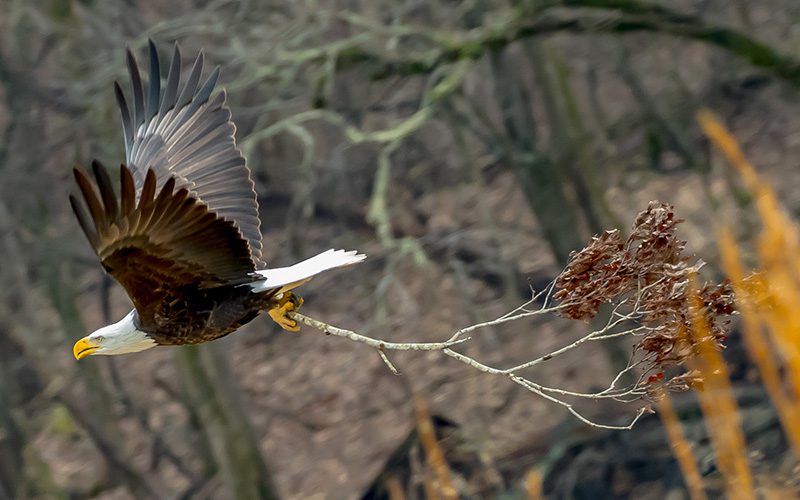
point(183, 235)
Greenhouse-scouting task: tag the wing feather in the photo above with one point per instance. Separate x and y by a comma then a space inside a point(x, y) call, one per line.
point(173, 81)
point(83, 220)
point(185, 132)
point(165, 241)
point(191, 84)
point(106, 191)
point(127, 194)
point(153, 97)
point(89, 196)
point(127, 122)
point(138, 93)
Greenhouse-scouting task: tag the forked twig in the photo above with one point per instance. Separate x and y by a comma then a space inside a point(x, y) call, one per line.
point(524, 311)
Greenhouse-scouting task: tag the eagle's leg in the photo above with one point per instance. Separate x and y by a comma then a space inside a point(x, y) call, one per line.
point(281, 307)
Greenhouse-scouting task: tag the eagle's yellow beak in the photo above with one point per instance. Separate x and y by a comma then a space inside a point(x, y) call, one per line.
point(84, 347)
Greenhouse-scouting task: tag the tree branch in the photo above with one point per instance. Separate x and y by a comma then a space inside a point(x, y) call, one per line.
point(610, 16)
point(644, 278)
point(626, 394)
point(381, 345)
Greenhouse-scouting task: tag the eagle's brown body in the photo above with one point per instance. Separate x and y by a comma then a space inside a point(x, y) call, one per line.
point(143, 244)
point(196, 315)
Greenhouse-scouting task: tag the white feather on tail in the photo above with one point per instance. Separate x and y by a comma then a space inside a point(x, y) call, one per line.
point(290, 277)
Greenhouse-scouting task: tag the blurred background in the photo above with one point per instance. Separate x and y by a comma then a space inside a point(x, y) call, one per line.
point(467, 148)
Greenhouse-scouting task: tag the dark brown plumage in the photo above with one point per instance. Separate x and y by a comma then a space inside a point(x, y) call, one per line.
point(169, 251)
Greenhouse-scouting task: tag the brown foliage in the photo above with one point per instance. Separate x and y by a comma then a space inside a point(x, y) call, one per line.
point(650, 273)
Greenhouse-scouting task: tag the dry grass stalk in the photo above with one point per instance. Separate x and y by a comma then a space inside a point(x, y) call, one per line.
point(441, 484)
point(719, 405)
point(534, 489)
point(394, 488)
point(680, 447)
point(766, 301)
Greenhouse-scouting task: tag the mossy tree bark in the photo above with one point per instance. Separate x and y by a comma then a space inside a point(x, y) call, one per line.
point(544, 186)
point(212, 392)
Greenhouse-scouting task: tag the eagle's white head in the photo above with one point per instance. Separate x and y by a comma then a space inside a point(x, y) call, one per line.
point(120, 338)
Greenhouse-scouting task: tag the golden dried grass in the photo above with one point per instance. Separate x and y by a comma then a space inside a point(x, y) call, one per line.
point(534, 487)
point(719, 406)
point(680, 447)
point(767, 300)
point(438, 485)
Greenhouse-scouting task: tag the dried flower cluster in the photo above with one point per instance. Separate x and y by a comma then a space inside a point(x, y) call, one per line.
point(649, 274)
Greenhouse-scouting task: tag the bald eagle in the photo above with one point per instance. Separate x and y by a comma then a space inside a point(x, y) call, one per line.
point(183, 235)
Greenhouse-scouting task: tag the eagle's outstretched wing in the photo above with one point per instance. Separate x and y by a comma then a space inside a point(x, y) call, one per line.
point(165, 240)
point(184, 133)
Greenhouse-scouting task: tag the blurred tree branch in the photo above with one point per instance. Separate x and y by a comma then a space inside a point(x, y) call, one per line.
point(600, 16)
point(542, 182)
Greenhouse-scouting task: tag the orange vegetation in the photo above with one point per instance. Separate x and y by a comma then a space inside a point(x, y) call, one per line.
point(767, 300)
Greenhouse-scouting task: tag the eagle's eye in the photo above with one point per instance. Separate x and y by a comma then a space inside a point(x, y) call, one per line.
point(99, 339)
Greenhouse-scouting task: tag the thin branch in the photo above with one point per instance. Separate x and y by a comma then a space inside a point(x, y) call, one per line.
point(626, 394)
point(386, 360)
point(376, 343)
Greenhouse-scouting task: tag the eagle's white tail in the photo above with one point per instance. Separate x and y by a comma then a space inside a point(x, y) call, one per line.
point(287, 278)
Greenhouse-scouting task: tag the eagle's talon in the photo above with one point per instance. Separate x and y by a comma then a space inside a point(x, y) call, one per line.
point(279, 312)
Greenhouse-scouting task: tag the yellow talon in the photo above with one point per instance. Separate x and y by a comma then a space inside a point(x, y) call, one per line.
point(279, 310)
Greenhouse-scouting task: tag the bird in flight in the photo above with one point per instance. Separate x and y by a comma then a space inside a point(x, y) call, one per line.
point(183, 237)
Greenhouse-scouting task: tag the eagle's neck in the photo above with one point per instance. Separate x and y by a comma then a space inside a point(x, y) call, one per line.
point(122, 337)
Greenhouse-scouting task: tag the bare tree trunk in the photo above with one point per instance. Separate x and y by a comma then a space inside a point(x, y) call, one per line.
point(23, 473)
point(12, 441)
point(214, 396)
point(569, 146)
point(539, 178)
point(75, 386)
